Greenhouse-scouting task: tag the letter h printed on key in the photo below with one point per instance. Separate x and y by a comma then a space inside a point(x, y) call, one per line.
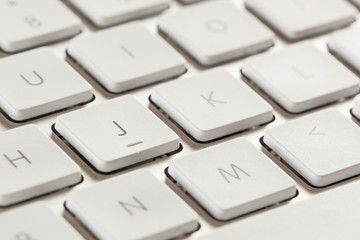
point(12, 160)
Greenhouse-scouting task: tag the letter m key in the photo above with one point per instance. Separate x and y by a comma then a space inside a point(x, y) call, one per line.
point(235, 172)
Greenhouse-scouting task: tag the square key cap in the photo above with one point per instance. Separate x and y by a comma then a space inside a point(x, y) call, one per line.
point(346, 45)
point(232, 179)
point(108, 12)
point(126, 57)
point(37, 82)
point(323, 147)
point(132, 206)
point(212, 104)
point(29, 23)
point(301, 77)
point(35, 222)
point(297, 19)
point(216, 31)
point(32, 165)
point(117, 133)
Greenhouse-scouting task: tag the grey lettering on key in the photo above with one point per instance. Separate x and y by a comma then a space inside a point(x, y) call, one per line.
point(314, 132)
point(236, 173)
point(39, 81)
point(24, 236)
point(216, 26)
point(32, 21)
point(12, 3)
point(128, 52)
point(22, 157)
point(302, 73)
point(135, 143)
point(137, 205)
point(212, 101)
point(123, 132)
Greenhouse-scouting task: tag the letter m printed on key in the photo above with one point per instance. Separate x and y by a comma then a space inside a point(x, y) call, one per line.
point(235, 173)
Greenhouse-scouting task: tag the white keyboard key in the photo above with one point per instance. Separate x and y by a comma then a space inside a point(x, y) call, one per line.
point(322, 147)
point(346, 45)
point(35, 222)
point(230, 180)
point(109, 12)
point(332, 215)
point(29, 23)
point(36, 82)
point(32, 165)
point(117, 133)
point(140, 208)
point(216, 31)
point(212, 104)
point(301, 77)
point(126, 57)
point(297, 19)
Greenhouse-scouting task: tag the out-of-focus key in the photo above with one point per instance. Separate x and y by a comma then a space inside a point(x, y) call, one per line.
point(230, 180)
point(126, 57)
point(346, 45)
point(132, 206)
point(29, 23)
point(332, 215)
point(109, 12)
point(301, 77)
point(190, 1)
point(356, 2)
point(323, 147)
point(216, 31)
point(297, 19)
point(35, 222)
point(36, 82)
point(32, 165)
point(212, 105)
point(117, 133)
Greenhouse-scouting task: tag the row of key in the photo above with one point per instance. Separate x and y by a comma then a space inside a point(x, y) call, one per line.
point(299, 78)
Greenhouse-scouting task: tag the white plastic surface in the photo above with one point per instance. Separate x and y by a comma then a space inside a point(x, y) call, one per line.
point(117, 134)
point(346, 44)
point(32, 222)
point(141, 207)
point(120, 61)
point(212, 104)
point(216, 31)
point(109, 12)
point(37, 82)
point(28, 23)
point(331, 215)
point(232, 179)
point(323, 147)
point(297, 19)
point(32, 165)
point(301, 77)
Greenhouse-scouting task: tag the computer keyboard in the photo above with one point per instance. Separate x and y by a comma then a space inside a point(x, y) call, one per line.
point(179, 119)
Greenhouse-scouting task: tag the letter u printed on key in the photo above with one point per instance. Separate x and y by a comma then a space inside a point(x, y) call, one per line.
point(34, 82)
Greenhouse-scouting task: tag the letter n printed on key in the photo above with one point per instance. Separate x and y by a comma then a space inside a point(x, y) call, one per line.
point(130, 207)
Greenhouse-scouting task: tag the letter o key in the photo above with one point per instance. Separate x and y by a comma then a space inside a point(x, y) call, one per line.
point(216, 26)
